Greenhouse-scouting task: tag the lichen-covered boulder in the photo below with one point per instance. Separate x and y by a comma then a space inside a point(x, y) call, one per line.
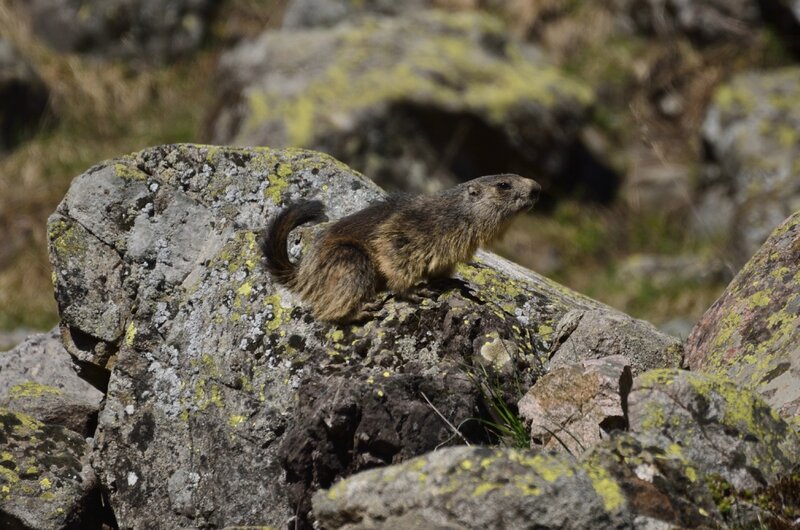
point(662, 488)
point(145, 30)
point(720, 429)
point(227, 403)
point(23, 97)
point(414, 101)
point(752, 332)
point(475, 488)
point(594, 334)
point(752, 130)
point(39, 378)
point(46, 482)
point(573, 407)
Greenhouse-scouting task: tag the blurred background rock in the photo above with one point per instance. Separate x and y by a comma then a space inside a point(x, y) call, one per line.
point(666, 132)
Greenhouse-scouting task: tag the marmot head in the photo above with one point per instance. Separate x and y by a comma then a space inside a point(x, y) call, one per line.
point(508, 193)
point(494, 200)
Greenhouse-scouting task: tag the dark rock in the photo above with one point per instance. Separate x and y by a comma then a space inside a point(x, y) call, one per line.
point(23, 98)
point(582, 335)
point(706, 21)
point(752, 332)
point(575, 406)
point(46, 482)
point(751, 131)
point(39, 378)
point(784, 15)
point(151, 31)
point(227, 403)
point(416, 102)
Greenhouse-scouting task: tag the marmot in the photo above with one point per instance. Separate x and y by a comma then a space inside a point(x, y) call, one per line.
point(392, 244)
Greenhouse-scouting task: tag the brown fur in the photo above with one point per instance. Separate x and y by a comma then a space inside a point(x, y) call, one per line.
point(392, 244)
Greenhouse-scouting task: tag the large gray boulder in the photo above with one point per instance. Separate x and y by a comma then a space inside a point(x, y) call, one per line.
point(39, 378)
point(151, 31)
point(414, 101)
point(752, 332)
point(751, 130)
point(227, 403)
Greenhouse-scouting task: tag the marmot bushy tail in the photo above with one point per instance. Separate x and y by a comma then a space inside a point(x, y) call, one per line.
point(273, 241)
point(392, 244)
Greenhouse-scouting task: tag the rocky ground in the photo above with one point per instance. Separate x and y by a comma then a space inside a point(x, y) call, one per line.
point(184, 389)
point(178, 387)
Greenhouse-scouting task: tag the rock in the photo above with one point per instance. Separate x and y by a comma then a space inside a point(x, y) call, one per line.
point(475, 488)
point(11, 338)
point(227, 403)
point(751, 130)
point(416, 102)
point(595, 334)
point(39, 378)
point(575, 406)
point(752, 332)
point(696, 445)
point(45, 478)
point(719, 429)
point(23, 98)
point(151, 31)
point(706, 21)
point(662, 489)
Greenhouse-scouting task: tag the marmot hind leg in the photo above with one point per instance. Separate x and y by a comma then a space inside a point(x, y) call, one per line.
point(349, 280)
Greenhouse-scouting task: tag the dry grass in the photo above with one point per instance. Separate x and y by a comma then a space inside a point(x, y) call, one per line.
point(102, 110)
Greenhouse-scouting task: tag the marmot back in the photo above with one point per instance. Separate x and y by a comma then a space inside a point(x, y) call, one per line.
point(392, 244)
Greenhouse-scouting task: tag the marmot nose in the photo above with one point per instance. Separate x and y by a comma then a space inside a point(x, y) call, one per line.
point(536, 188)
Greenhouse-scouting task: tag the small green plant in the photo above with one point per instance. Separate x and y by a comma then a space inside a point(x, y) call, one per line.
point(504, 422)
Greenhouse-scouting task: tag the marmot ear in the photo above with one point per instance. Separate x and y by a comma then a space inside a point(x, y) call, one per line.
point(473, 190)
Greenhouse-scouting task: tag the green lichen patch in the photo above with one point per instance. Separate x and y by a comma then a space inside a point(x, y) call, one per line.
point(442, 63)
point(32, 389)
point(40, 469)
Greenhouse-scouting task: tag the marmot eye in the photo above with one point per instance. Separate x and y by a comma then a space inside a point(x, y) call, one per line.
point(503, 186)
